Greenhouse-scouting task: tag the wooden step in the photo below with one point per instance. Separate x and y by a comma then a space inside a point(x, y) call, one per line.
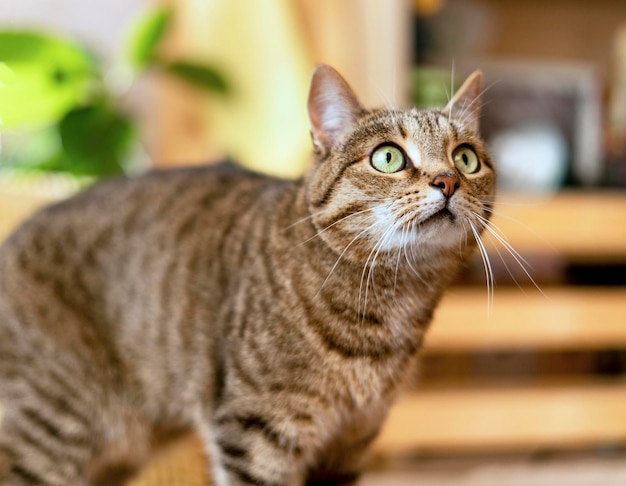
point(579, 224)
point(564, 318)
point(450, 421)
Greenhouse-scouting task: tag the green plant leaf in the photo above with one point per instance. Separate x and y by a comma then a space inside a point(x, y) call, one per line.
point(96, 140)
point(6, 75)
point(48, 76)
point(30, 149)
point(146, 35)
point(200, 75)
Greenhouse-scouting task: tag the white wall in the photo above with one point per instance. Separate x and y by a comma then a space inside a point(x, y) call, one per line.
point(100, 24)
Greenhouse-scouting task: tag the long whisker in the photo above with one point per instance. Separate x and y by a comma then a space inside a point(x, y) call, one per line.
point(451, 81)
point(343, 253)
point(530, 229)
point(465, 109)
point(410, 258)
point(506, 266)
point(521, 261)
point(333, 224)
point(487, 264)
point(306, 218)
point(321, 211)
point(408, 220)
point(499, 234)
point(513, 202)
point(373, 256)
point(369, 267)
point(404, 239)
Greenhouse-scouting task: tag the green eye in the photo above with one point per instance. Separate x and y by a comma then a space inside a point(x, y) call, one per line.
point(465, 159)
point(388, 159)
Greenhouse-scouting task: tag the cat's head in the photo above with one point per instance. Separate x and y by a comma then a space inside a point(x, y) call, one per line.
point(388, 179)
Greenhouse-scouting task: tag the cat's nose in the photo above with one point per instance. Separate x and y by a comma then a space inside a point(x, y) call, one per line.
point(447, 182)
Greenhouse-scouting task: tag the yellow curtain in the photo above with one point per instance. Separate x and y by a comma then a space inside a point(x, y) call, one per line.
point(260, 49)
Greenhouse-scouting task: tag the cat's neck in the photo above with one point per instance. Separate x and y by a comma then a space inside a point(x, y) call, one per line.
point(409, 282)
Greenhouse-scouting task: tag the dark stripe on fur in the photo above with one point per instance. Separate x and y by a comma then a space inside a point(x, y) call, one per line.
point(51, 429)
point(42, 423)
point(344, 213)
point(247, 377)
point(28, 476)
point(300, 389)
point(27, 437)
point(259, 424)
point(59, 403)
point(347, 348)
point(323, 199)
point(246, 477)
point(219, 378)
point(342, 309)
point(103, 239)
point(402, 130)
point(232, 450)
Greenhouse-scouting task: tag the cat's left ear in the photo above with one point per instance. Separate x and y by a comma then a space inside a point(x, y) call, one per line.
point(465, 104)
point(333, 107)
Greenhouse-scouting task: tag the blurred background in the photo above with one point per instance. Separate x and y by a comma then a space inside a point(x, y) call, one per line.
point(526, 388)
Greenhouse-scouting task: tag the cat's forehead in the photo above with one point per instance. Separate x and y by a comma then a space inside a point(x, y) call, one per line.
point(429, 130)
point(416, 122)
point(431, 121)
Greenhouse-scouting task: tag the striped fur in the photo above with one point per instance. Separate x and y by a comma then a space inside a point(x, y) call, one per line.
point(278, 318)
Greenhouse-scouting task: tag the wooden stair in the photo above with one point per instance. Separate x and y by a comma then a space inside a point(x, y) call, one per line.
point(511, 419)
point(470, 415)
point(561, 318)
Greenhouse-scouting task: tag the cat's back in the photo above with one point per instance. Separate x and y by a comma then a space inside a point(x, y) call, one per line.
point(122, 236)
point(134, 207)
point(148, 196)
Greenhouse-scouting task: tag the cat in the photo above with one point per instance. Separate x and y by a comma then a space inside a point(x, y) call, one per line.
point(277, 318)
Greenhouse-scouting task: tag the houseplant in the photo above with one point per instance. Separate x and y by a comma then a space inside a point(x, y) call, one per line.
point(63, 125)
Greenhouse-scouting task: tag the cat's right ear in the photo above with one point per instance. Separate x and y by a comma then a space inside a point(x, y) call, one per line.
point(465, 104)
point(333, 107)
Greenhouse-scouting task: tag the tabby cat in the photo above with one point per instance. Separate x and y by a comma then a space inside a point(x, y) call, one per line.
point(277, 318)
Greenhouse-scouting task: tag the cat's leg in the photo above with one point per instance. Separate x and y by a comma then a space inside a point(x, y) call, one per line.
point(46, 432)
point(122, 454)
point(247, 449)
point(58, 420)
point(343, 462)
point(57, 449)
point(38, 449)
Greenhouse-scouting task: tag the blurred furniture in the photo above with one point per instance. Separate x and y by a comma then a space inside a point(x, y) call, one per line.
point(538, 412)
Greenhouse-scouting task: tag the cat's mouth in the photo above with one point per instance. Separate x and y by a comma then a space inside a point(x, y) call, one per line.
point(443, 214)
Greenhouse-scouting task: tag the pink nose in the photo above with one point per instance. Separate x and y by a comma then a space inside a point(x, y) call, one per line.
point(448, 183)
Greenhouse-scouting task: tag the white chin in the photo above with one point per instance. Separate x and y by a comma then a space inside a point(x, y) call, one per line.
point(436, 233)
point(440, 234)
point(443, 234)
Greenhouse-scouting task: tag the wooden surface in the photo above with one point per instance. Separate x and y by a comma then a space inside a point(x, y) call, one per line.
point(449, 421)
point(587, 225)
point(564, 319)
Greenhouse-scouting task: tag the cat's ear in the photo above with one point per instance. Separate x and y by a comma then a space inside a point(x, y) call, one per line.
point(465, 104)
point(333, 107)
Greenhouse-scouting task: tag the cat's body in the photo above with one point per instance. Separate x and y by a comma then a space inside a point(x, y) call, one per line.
point(277, 318)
